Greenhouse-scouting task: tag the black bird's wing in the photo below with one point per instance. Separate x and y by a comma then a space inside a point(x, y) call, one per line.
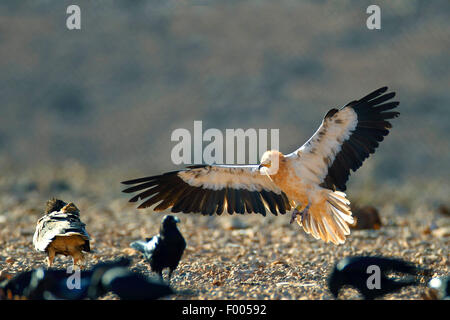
point(147, 247)
point(133, 286)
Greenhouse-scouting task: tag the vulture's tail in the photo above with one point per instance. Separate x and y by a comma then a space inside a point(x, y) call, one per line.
point(328, 217)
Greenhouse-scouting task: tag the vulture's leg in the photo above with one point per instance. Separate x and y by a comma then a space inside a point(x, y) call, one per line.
point(302, 213)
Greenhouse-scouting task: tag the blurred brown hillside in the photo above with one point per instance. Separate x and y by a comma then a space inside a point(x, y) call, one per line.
point(110, 94)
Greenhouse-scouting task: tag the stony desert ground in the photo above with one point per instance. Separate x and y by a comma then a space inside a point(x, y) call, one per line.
point(109, 96)
point(227, 257)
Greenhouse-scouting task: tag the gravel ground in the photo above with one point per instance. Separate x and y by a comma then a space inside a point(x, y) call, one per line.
point(227, 257)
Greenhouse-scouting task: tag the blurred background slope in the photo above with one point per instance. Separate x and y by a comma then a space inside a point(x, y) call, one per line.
point(109, 96)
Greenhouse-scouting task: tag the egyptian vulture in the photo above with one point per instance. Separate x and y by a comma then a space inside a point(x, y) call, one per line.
point(61, 232)
point(311, 180)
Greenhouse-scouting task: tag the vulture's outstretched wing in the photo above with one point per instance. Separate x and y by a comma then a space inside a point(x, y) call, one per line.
point(211, 189)
point(345, 139)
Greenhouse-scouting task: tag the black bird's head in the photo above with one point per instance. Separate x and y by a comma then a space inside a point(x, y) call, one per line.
point(169, 222)
point(338, 278)
point(355, 272)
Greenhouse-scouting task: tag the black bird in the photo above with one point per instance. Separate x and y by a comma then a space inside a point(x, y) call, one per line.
point(165, 249)
point(355, 271)
point(128, 285)
point(115, 277)
point(15, 286)
point(111, 276)
point(51, 284)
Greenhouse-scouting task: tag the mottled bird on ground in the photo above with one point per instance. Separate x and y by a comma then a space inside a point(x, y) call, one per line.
point(61, 231)
point(358, 272)
point(165, 249)
point(310, 180)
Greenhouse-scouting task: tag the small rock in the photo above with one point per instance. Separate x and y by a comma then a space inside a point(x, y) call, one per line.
point(233, 245)
point(445, 210)
point(279, 284)
point(130, 251)
point(441, 232)
point(366, 218)
point(282, 262)
point(235, 224)
point(217, 282)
